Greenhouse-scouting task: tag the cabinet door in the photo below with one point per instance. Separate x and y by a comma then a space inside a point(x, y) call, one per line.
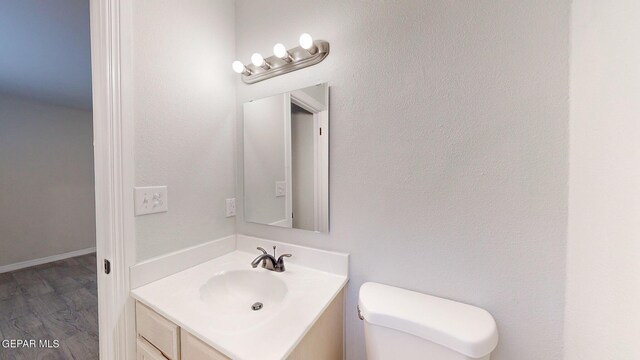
point(194, 349)
point(325, 340)
point(146, 351)
point(158, 331)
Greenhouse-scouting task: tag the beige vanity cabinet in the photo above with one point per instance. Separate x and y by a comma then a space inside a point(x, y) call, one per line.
point(146, 351)
point(157, 331)
point(194, 349)
point(160, 339)
point(325, 339)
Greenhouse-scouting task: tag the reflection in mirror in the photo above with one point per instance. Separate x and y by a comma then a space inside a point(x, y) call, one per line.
point(286, 159)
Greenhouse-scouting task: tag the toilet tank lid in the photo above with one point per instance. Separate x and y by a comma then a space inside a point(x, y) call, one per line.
point(467, 329)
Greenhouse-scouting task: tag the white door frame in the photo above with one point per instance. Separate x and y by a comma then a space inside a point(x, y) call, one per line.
point(320, 114)
point(111, 29)
point(288, 201)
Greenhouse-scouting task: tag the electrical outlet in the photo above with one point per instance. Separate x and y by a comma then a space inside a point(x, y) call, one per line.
point(151, 199)
point(281, 188)
point(231, 207)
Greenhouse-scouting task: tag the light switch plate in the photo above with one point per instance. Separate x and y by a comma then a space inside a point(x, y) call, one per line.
point(151, 199)
point(231, 207)
point(281, 188)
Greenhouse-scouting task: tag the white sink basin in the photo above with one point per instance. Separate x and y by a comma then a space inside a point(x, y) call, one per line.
point(213, 300)
point(232, 294)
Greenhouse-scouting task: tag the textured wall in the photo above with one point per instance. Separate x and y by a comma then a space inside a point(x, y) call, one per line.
point(46, 180)
point(184, 119)
point(46, 51)
point(603, 268)
point(448, 150)
point(265, 159)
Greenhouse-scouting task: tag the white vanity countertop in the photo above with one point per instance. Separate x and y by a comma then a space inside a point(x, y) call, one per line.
point(232, 327)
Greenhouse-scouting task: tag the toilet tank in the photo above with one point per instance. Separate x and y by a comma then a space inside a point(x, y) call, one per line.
point(403, 324)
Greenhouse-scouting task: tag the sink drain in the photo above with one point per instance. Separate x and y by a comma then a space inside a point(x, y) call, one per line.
point(256, 306)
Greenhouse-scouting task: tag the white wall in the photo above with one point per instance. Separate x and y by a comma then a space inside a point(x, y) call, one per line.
point(448, 150)
point(184, 119)
point(264, 157)
point(46, 180)
point(603, 268)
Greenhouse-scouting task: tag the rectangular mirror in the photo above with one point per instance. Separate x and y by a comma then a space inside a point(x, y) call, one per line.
point(286, 159)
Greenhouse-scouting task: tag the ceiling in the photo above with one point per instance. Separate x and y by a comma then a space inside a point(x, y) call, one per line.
point(45, 51)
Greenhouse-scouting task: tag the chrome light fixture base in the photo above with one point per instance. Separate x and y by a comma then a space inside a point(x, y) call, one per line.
point(299, 58)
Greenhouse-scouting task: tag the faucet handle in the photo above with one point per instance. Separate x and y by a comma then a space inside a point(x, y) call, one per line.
point(263, 250)
point(280, 262)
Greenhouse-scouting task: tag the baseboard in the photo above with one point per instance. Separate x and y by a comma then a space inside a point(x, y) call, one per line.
point(166, 265)
point(286, 223)
point(44, 260)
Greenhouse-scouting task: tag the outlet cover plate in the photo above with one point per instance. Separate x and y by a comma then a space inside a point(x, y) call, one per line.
point(230, 207)
point(281, 188)
point(151, 200)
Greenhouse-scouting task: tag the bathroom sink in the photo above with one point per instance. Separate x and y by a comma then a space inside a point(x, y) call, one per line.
point(213, 300)
point(231, 295)
point(235, 291)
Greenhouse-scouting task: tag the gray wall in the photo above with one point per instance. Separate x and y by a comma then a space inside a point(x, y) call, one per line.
point(448, 150)
point(46, 180)
point(603, 266)
point(184, 119)
point(46, 51)
point(265, 159)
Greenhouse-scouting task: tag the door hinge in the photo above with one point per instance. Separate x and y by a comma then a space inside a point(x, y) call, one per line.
point(107, 267)
point(320, 131)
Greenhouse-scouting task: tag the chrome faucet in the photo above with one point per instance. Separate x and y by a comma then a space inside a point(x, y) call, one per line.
point(269, 262)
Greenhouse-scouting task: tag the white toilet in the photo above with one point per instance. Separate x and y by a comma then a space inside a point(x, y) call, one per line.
point(403, 324)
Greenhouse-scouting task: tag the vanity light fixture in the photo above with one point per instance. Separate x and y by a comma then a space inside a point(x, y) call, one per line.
point(258, 60)
point(310, 52)
point(239, 67)
point(280, 51)
point(306, 42)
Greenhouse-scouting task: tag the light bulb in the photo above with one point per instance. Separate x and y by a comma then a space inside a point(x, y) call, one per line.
point(306, 41)
point(238, 66)
point(257, 59)
point(280, 51)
